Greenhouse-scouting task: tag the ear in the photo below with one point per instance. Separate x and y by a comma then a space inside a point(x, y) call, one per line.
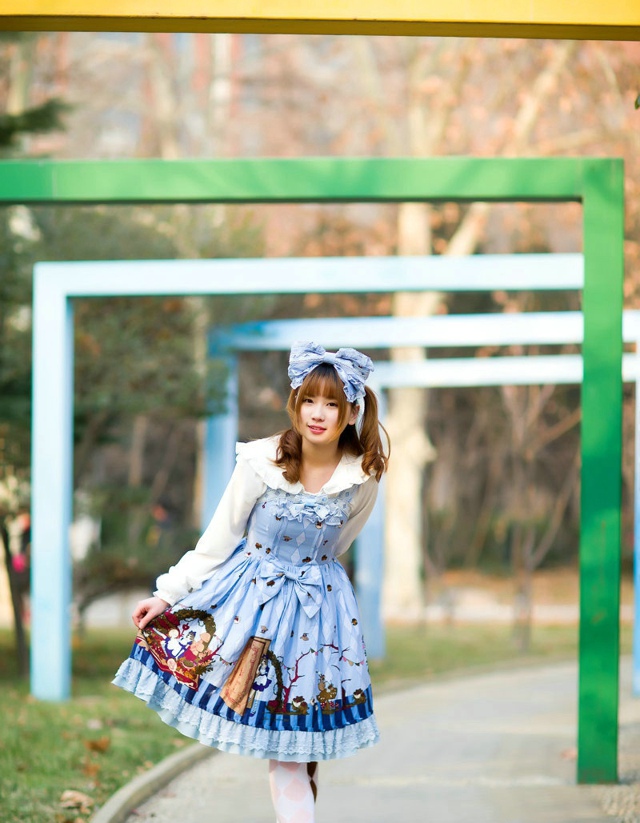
point(354, 414)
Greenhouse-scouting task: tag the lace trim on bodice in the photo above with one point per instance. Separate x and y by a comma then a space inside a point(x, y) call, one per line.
point(331, 510)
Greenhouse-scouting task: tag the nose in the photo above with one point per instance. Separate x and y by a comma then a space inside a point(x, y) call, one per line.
point(318, 411)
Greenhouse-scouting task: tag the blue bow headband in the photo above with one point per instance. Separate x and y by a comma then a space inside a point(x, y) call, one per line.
point(352, 366)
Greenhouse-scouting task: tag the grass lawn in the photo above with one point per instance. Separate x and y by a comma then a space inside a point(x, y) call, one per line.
point(103, 737)
point(416, 653)
point(92, 744)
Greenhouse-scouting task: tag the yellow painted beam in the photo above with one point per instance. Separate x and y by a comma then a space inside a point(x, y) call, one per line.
point(564, 19)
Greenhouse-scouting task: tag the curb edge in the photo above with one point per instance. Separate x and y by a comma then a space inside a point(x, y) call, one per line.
point(118, 807)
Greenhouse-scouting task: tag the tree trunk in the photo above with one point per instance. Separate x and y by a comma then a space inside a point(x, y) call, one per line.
point(166, 107)
point(171, 452)
point(20, 73)
point(22, 650)
point(218, 119)
point(523, 602)
point(84, 450)
point(137, 518)
point(136, 454)
point(402, 591)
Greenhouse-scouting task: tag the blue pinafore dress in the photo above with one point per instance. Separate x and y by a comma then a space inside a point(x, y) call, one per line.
point(267, 658)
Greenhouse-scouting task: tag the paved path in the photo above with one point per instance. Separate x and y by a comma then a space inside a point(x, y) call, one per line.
point(492, 748)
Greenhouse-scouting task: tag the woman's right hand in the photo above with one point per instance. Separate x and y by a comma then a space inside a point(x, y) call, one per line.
point(147, 609)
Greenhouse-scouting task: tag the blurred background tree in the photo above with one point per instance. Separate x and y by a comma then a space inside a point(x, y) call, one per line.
point(18, 119)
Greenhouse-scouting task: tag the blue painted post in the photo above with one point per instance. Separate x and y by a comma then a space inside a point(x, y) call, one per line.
point(219, 447)
point(52, 484)
point(369, 571)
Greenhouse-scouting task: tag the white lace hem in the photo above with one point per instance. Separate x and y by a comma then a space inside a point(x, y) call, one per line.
point(237, 738)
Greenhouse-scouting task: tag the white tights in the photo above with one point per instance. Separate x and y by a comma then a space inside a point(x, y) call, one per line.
point(293, 790)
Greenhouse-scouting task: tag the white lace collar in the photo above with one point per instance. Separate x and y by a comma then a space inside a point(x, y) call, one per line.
point(260, 454)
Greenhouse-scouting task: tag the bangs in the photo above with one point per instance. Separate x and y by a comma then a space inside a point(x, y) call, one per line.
point(323, 381)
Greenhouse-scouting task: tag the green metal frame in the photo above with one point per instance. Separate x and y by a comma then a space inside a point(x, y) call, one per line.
point(596, 183)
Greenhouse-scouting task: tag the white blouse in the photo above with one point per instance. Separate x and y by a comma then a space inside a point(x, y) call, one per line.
point(255, 471)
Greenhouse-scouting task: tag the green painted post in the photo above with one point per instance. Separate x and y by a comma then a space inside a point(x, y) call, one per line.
point(318, 179)
point(597, 182)
point(601, 476)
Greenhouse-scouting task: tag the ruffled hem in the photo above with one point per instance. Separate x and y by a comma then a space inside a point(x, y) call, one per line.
point(260, 454)
point(237, 738)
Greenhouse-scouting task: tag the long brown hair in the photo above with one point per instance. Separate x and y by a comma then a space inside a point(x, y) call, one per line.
point(324, 381)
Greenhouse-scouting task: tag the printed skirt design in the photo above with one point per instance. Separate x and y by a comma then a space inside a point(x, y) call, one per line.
point(267, 659)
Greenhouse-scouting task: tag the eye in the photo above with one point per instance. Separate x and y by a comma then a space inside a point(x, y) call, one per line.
point(333, 404)
point(307, 400)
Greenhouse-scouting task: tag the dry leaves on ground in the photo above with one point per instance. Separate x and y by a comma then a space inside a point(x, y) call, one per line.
point(98, 744)
point(72, 799)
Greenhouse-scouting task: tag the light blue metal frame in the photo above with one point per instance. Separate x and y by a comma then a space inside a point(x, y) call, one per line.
point(55, 286)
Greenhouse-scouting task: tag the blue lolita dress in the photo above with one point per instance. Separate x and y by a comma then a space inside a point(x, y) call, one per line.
point(261, 652)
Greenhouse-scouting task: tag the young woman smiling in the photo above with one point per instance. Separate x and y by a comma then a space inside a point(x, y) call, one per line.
point(251, 642)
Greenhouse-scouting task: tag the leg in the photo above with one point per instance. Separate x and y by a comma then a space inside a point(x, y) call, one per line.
point(291, 792)
point(312, 771)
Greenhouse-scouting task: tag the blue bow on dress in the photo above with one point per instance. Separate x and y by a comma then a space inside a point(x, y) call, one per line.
point(352, 366)
point(307, 583)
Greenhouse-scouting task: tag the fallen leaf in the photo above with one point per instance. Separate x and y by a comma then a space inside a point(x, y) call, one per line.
point(99, 744)
point(72, 799)
point(90, 768)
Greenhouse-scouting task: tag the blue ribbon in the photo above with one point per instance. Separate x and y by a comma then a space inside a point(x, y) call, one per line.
point(306, 579)
point(352, 366)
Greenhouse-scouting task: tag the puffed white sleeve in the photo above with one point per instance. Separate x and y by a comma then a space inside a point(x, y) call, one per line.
point(220, 539)
point(363, 503)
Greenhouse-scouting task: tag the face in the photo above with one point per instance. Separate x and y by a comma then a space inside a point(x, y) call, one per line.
point(319, 420)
